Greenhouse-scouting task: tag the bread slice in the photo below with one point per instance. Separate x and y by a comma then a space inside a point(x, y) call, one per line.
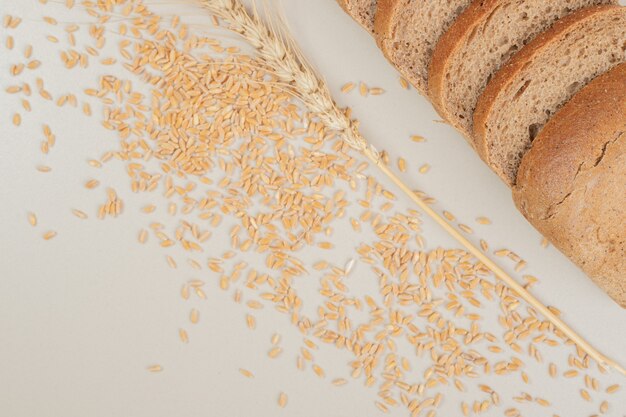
point(480, 41)
point(408, 30)
point(540, 78)
point(362, 11)
point(571, 184)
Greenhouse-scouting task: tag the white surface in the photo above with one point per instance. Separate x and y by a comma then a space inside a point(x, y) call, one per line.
point(82, 316)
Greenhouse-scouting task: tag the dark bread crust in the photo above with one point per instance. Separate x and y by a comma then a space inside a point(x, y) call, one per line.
point(393, 18)
point(508, 72)
point(450, 42)
point(387, 13)
point(383, 22)
point(571, 185)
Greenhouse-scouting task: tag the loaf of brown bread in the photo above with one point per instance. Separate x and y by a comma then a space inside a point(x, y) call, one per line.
point(571, 184)
point(407, 32)
point(542, 77)
point(485, 36)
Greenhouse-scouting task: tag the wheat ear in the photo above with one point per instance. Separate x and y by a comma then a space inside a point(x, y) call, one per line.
point(278, 50)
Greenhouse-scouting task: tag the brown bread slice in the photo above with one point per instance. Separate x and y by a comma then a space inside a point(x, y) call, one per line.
point(362, 11)
point(571, 184)
point(479, 42)
point(407, 31)
point(540, 78)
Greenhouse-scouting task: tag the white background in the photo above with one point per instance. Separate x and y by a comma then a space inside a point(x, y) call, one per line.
point(82, 316)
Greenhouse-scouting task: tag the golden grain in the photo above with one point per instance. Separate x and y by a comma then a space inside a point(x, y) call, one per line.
point(171, 262)
point(402, 164)
point(339, 382)
point(80, 214)
point(282, 400)
point(604, 407)
point(274, 352)
point(183, 336)
point(91, 184)
point(382, 407)
point(363, 90)
point(254, 304)
point(319, 371)
point(449, 216)
point(552, 370)
point(520, 266)
point(149, 208)
point(49, 235)
point(250, 321)
point(194, 316)
point(585, 395)
point(466, 228)
point(347, 87)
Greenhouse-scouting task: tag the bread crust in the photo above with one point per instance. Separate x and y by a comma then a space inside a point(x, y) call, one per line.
point(382, 22)
point(342, 4)
point(387, 13)
point(517, 63)
point(449, 43)
point(571, 185)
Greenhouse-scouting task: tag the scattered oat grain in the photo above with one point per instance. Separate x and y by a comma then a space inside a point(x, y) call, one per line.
point(49, 235)
point(155, 368)
point(282, 400)
point(347, 87)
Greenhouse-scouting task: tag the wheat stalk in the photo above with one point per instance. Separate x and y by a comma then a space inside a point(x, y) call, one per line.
point(290, 66)
point(279, 52)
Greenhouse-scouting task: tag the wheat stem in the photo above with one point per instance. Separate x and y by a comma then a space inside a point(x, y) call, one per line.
point(285, 60)
point(291, 67)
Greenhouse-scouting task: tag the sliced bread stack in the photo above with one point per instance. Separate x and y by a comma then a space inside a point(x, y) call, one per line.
point(499, 71)
point(571, 184)
point(539, 79)
point(481, 40)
